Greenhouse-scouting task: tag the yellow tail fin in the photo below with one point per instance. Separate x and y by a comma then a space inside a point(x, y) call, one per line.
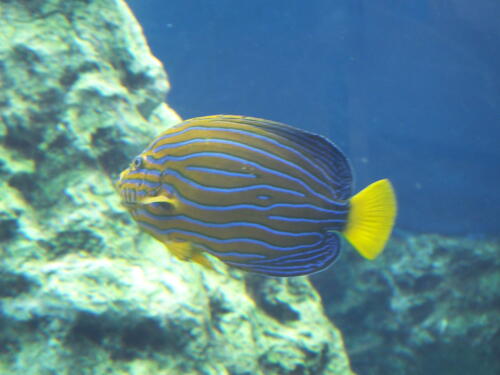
point(371, 218)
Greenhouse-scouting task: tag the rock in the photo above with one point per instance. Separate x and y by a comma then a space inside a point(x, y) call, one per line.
point(121, 315)
point(82, 290)
point(429, 303)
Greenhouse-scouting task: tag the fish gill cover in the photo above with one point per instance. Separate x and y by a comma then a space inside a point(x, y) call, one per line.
point(82, 291)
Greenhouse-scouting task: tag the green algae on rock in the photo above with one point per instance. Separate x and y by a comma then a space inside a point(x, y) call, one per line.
point(82, 291)
point(433, 306)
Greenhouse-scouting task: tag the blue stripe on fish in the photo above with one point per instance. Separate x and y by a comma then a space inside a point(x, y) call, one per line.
point(342, 211)
point(318, 146)
point(303, 220)
point(329, 178)
point(248, 224)
point(226, 240)
point(180, 177)
point(263, 169)
point(219, 171)
point(248, 148)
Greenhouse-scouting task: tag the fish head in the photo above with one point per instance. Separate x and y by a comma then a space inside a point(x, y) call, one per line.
point(141, 185)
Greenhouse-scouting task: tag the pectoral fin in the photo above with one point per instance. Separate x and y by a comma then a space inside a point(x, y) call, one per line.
point(184, 250)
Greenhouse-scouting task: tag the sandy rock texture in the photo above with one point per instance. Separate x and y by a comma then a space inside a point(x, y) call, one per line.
point(82, 290)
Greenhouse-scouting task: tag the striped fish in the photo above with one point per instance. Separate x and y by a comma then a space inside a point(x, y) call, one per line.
point(259, 195)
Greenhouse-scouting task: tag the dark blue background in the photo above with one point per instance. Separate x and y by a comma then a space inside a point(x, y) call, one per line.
point(409, 90)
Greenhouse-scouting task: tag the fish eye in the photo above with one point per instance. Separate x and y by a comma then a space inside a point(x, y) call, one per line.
point(164, 206)
point(137, 162)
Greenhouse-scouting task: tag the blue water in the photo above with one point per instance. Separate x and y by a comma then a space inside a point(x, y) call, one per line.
point(410, 90)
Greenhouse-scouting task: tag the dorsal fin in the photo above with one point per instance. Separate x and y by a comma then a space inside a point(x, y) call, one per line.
point(320, 149)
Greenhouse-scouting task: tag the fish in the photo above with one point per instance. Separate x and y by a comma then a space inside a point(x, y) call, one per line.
point(259, 195)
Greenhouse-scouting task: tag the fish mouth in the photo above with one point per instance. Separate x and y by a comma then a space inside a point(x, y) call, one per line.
point(128, 197)
point(132, 197)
